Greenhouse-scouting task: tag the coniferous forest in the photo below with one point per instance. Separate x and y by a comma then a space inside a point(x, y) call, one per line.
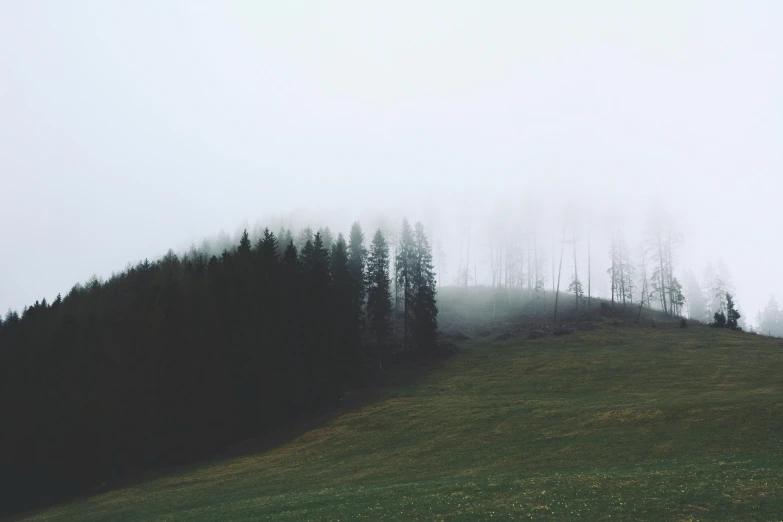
point(171, 361)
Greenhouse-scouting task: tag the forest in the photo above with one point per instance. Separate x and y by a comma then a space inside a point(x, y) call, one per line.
point(169, 361)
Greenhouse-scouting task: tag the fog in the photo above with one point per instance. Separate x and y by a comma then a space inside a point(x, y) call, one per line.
point(128, 128)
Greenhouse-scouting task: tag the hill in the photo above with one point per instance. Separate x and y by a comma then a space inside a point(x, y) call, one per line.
point(616, 419)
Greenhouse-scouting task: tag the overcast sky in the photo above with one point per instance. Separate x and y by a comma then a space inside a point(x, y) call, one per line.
point(128, 127)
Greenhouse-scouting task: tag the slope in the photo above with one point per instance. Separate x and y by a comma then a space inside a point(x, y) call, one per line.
point(621, 420)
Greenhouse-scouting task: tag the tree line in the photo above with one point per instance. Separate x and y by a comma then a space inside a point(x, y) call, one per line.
point(643, 278)
point(170, 361)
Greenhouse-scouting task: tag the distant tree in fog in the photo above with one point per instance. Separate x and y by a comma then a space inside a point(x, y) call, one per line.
point(576, 285)
point(661, 242)
point(440, 259)
point(770, 319)
point(694, 296)
point(576, 288)
point(732, 314)
point(326, 237)
point(719, 294)
point(305, 235)
point(589, 268)
point(621, 270)
point(676, 297)
point(559, 274)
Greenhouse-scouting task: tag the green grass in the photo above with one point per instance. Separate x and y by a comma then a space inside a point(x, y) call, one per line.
point(624, 423)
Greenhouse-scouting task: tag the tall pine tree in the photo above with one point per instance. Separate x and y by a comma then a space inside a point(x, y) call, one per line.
point(425, 310)
point(379, 294)
point(357, 257)
point(345, 310)
point(406, 266)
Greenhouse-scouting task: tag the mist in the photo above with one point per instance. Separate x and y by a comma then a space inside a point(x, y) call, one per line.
point(133, 127)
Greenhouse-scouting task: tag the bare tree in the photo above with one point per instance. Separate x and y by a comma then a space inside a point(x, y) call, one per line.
point(660, 242)
point(589, 275)
point(577, 283)
point(553, 262)
point(612, 270)
point(440, 262)
point(559, 272)
point(467, 260)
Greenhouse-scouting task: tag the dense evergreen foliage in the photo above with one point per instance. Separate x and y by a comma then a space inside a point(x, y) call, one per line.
point(730, 319)
point(379, 294)
point(170, 361)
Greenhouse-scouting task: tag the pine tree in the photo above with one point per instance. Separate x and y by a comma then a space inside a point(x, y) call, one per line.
point(405, 272)
point(357, 257)
point(732, 314)
point(379, 293)
point(575, 287)
point(346, 312)
point(327, 238)
point(425, 310)
point(284, 237)
point(324, 355)
point(268, 248)
point(290, 262)
point(306, 255)
point(676, 297)
point(357, 254)
point(304, 236)
point(339, 262)
point(244, 247)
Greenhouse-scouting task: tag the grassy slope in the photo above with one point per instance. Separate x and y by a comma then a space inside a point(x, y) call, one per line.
point(636, 423)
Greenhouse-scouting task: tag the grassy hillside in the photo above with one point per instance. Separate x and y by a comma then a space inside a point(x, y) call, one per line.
point(632, 422)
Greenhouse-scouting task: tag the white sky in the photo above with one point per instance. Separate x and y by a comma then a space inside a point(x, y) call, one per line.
point(128, 127)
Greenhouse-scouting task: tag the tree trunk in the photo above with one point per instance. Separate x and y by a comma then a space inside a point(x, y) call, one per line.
point(467, 261)
point(663, 275)
point(553, 263)
point(535, 283)
point(529, 271)
point(576, 275)
point(644, 287)
point(589, 275)
point(614, 279)
point(622, 273)
point(559, 272)
point(405, 312)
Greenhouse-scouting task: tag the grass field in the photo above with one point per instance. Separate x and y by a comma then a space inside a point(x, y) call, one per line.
point(619, 422)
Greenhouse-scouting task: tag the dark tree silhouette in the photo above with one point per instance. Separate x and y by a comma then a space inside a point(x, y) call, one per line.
point(170, 361)
point(425, 311)
point(405, 267)
point(357, 258)
point(379, 294)
point(732, 314)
